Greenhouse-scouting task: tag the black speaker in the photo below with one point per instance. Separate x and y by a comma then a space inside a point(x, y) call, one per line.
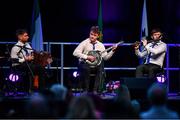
point(138, 87)
point(136, 83)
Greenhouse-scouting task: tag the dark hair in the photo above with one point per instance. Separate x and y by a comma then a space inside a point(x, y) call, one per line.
point(81, 107)
point(157, 94)
point(95, 29)
point(21, 31)
point(155, 30)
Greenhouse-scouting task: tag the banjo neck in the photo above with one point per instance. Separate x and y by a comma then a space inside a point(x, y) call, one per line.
point(120, 42)
point(98, 56)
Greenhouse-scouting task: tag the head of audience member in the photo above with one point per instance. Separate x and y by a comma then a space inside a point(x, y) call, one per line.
point(99, 105)
point(37, 106)
point(124, 107)
point(157, 94)
point(121, 107)
point(59, 91)
point(136, 105)
point(123, 94)
point(81, 107)
point(22, 35)
point(94, 34)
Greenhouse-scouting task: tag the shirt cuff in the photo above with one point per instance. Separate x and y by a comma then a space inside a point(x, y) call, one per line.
point(21, 60)
point(84, 56)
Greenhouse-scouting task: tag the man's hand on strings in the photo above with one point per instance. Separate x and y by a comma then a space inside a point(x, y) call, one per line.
point(114, 48)
point(91, 58)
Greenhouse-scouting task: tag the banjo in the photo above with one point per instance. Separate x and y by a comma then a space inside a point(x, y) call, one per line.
point(98, 55)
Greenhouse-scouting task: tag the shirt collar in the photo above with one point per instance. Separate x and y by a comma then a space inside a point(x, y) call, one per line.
point(93, 43)
point(21, 43)
point(156, 42)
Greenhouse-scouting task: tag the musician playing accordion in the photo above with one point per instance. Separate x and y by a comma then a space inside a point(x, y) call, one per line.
point(91, 56)
point(22, 60)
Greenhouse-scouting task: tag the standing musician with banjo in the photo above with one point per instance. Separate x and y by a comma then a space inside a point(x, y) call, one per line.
point(91, 54)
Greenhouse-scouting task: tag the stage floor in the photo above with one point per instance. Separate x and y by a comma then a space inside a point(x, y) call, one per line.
point(105, 95)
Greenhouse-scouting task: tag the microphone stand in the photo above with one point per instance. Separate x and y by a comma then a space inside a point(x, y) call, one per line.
point(27, 64)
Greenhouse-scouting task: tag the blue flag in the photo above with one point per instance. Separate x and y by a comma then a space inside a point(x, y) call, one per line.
point(144, 27)
point(144, 24)
point(36, 28)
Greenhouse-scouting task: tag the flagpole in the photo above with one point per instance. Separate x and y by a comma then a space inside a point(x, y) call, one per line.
point(100, 24)
point(100, 20)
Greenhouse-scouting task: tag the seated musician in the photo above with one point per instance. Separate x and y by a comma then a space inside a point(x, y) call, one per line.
point(22, 56)
point(85, 68)
point(154, 54)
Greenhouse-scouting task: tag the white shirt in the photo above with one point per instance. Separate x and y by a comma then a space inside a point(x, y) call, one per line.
point(17, 52)
point(157, 53)
point(85, 46)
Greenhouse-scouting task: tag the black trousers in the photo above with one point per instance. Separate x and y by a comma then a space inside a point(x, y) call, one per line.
point(37, 70)
point(150, 69)
point(88, 82)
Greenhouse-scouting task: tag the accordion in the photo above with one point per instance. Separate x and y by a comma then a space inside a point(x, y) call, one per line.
point(42, 58)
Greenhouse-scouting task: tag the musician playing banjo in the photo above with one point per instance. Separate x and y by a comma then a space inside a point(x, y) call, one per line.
point(91, 56)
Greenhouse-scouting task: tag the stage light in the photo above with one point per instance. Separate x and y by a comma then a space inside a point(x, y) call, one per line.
point(75, 74)
point(161, 79)
point(13, 77)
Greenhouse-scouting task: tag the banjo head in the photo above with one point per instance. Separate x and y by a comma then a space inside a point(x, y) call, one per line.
point(98, 57)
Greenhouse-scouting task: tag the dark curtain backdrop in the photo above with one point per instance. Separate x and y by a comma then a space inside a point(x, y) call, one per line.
point(70, 20)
